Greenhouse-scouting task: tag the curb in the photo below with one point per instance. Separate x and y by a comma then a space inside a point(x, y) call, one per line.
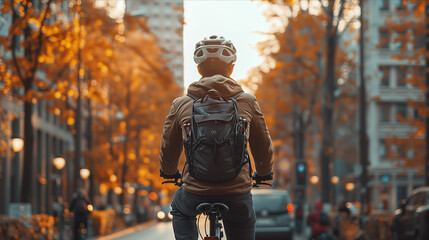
point(126, 231)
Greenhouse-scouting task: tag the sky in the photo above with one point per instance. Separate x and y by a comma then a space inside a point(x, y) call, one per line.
point(240, 21)
point(236, 20)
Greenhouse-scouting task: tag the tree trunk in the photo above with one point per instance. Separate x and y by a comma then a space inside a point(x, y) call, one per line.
point(328, 103)
point(124, 165)
point(27, 192)
point(89, 146)
point(78, 128)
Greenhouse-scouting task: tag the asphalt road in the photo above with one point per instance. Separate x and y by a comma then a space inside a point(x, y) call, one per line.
point(154, 231)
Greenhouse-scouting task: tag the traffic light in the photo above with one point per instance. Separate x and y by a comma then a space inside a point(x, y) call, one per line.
point(301, 173)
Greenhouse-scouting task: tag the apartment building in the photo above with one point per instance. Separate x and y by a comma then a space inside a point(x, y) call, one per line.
point(388, 93)
point(165, 20)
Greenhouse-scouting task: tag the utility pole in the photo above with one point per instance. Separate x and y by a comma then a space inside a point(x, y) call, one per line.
point(363, 139)
point(427, 95)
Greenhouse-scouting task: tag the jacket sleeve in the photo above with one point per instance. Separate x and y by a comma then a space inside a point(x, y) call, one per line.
point(260, 141)
point(171, 142)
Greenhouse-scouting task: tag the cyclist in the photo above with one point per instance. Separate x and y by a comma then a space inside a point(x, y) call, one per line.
point(215, 59)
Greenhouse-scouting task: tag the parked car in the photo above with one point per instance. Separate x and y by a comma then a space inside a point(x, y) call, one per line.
point(411, 220)
point(163, 213)
point(274, 214)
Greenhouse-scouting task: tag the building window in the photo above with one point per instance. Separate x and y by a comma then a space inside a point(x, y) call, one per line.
point(399, 40)
point(401, 77)
point(384, 5)
point(401, 194)
point(383, 39)
point(382, 148)
point(385, 110)
point(383, 73)
point(420, 71)
point(401, 111)
point(419, 39)
point(400, 5)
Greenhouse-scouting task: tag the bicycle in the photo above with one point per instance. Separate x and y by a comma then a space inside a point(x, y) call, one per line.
point(214, 211)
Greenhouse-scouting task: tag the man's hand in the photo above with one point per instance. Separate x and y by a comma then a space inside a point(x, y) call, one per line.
point(176, 176)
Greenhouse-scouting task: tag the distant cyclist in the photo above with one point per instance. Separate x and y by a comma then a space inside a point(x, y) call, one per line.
point(214, 122)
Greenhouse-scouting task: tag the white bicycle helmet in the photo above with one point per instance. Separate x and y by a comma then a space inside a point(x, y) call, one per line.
point(215, 47)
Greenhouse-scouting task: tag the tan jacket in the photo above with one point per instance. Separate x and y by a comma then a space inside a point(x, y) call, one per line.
point(259, 138)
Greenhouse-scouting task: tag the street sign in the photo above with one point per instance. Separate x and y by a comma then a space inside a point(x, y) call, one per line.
point(16, 210)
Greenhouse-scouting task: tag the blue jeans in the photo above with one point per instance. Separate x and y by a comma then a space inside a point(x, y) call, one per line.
point(239, 221)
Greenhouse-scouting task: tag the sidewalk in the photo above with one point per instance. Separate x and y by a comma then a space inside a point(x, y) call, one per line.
point(125, 231)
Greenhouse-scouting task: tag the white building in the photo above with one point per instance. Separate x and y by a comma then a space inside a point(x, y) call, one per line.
point(387, 93)
point(165, 20)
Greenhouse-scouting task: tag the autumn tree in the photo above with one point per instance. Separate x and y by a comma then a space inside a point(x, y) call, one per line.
point(309, 76)
point(139, 90)
point(56, 51)
point(30, 28)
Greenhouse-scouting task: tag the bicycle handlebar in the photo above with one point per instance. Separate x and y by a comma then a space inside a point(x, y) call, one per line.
point(176, 177)
point(260, 179)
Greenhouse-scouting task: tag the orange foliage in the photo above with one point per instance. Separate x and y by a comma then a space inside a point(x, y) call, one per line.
point(290, 92)
point(122, 73)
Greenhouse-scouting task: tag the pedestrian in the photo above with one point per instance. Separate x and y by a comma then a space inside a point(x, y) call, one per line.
point(318, 220)
point(79, 207)
point(215, 143)
point(346, 229)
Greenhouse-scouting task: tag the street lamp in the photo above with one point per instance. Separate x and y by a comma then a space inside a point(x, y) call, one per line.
point(334, 180)
point(17, 144)
point(59, 163)
point(314, 180)
point(113, 178)
point(84, 173)
point(118, 190)
point(350, 187)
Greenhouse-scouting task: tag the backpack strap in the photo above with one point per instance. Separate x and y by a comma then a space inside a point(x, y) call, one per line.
point(192, 96)
point(237, 95)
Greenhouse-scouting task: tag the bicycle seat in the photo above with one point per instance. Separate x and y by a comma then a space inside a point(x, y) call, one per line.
point(208, 208)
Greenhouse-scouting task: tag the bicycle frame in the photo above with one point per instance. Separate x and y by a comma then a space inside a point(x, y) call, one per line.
point(213, 212)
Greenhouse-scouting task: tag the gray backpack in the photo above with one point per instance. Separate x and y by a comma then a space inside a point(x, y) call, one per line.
point(216, 146)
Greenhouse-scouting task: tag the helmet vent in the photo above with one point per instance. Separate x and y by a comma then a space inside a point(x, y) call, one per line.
point(212, 50)
point(225, 53)
point(213, 43)
point(199, 53)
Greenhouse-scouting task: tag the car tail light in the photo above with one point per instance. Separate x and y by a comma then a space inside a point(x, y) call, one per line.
point(290, 208)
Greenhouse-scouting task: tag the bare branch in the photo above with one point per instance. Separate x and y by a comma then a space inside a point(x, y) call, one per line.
point(15, 18)
point(325, 9)
point(340, 13)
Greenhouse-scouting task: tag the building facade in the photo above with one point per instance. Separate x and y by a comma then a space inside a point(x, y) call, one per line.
point(51, 138)
point(388, 94)
point(165, 20)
